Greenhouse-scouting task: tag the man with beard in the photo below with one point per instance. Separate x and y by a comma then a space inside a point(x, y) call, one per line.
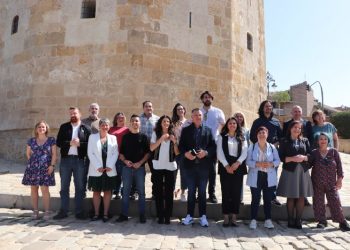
point(273, 126)
point(92, 121)
point(214, 119)
point(72, 139)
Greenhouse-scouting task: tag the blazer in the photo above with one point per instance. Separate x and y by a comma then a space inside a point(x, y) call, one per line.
point(188, 142)
point(64, 137)
point(252, 158)
point(95, 154)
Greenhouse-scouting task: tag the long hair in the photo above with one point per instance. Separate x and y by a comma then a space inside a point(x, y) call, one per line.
point(115, 119)
point(261, 109)
point(289, 129)
point(158, 128)
point(242, 114)
point(37, 125)
point(239, 132)
point(175, 118)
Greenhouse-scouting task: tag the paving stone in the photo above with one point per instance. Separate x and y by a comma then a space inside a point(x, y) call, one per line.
point(330, 245)
point(30, 237)
point(54, 236)
point(39, 245)
point(250, 246)
point(128, 243)
point(298, 244)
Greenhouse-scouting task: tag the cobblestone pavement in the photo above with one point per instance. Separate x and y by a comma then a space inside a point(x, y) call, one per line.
point(19, 231)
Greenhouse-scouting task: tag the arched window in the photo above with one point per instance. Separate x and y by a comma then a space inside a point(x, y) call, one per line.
point(88, 9)
point(14, 27)
point(249, 41)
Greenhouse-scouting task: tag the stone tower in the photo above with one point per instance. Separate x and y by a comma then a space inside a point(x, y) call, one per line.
point(60, 53)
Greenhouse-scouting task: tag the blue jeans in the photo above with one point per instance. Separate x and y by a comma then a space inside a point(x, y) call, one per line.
point(197, 177)
point(69, 166)
point(119, 167)
point(262, 185)
point(139, 176)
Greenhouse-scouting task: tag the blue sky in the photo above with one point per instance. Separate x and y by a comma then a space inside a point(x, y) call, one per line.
point(309, 40)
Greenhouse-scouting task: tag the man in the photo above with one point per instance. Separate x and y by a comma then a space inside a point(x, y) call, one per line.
point(72, 139)
point(273, 126)
point(134, 153)
point(297, 113)
point(148, 122)
point(198, 147)
point(214, 119)
point(92, 121)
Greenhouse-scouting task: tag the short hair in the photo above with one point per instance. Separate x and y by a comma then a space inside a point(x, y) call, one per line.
point(260, 129)
point(206, 93)
point(195, 110)
point(37, 125)
point(74, 108)
point(94, 104)
point(104, 121)
point(144, 103)
point(134, 116)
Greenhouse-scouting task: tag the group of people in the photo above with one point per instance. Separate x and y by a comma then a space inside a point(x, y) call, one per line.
point(104, 157)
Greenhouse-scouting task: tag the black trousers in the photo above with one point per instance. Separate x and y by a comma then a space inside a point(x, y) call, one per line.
point(163, 182)
point(231, 188)
point(212, 178)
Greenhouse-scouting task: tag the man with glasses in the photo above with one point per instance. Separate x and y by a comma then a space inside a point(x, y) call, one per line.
point(214, 119)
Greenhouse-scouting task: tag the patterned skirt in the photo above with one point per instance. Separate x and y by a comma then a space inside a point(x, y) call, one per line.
point(102, 183)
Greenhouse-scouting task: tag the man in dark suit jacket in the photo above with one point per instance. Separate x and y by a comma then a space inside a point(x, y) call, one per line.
point(198, 147)
point(72, 139)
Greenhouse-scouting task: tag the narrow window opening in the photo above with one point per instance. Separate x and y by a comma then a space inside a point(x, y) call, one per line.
point(88, 9)
point(14, 27)
point(190, 20)
point(249, 42)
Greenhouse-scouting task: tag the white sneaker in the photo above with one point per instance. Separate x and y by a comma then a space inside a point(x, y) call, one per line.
point(203, 221)
point(187, 221)
point(183, 198)
point(268, 224)
point(252, 224)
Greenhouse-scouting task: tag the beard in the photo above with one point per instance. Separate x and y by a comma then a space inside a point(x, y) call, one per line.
point(207, 103)
point(73, 119)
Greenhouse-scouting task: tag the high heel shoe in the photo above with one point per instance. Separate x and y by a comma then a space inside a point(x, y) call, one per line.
point(298, 224)
point(35, 215)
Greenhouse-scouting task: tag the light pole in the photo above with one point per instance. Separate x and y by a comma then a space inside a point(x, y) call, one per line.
point(269, 79)
point(308, 87)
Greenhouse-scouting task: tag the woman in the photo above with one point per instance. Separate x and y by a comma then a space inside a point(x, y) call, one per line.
point(119, 130)
point(241, 121)
point(41, 154)
point(231, 152)
point(262, 161)
point(103, 154)
point(295, 181)
point(179, 120)
point(164, 146)
point(320, 125)
point(327, 178)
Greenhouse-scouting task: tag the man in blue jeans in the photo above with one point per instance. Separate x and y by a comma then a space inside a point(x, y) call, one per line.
point(199, 149)
point(72, 139)
point(134, 153)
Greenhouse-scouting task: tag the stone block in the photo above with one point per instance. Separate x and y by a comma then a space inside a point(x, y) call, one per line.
point(200, 59)
point(157, 39)
point(152, 62)
point(155, 12)
point(124, 10)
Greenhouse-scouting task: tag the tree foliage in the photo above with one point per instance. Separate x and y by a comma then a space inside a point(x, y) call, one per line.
point(341, 121)
point(281, 96)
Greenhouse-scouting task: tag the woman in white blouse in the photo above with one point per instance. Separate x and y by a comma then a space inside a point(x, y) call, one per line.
point(103, 154)
point(164, 146)
point(231, 153)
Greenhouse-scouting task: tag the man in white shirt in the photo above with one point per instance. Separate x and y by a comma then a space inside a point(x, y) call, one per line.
point(213, 118)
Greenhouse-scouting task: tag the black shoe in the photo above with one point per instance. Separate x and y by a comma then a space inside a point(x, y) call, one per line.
point(226, 224)
point(307, 202)
point(117, 197)
point(167, 221)
point(142, 218)
point(212, 199)
point(322, 224)
point(122, 218)
point(132, 197)
point(95, 218)
point(291, 223)
point(344, 226)
point(80, 216)
point(298, 224)
point(61, 215)
point(105, 218)
point(160, 220)
point(234, 224)
point(276, 202)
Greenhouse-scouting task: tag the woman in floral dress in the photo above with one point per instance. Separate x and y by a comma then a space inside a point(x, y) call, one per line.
point(41, 155)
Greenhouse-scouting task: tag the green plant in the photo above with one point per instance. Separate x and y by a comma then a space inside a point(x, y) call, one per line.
point(341, 121)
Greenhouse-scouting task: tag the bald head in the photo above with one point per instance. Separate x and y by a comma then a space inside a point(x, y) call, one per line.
point(296, 113)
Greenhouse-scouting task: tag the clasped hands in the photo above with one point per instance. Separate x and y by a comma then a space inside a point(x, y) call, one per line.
point(131, 164)
point(101, 170)
point(200, 154)
point(231, 169)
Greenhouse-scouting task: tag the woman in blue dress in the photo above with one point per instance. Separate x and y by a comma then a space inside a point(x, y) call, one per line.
point(41, 155)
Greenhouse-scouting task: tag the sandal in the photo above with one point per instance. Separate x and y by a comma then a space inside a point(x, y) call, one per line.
point(35, 215)
point(46, 215)
point(95, 218)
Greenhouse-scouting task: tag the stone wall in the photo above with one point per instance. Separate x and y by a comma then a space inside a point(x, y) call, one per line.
point(133, 50)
